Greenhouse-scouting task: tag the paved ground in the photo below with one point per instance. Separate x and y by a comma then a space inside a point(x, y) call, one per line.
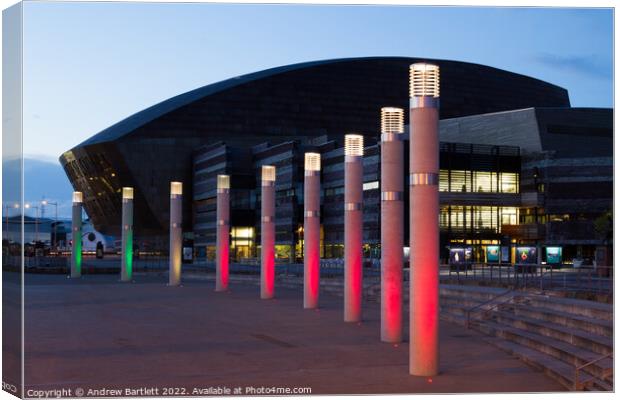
point(97, 333)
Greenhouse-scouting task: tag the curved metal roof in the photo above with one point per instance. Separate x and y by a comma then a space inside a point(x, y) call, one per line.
point(140, 118)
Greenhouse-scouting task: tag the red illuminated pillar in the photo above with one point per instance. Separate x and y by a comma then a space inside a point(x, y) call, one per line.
point(223, 232)
point(268, 231)
point(392, 224)
point(353, 228)
point(312, 229)
point(424, 220)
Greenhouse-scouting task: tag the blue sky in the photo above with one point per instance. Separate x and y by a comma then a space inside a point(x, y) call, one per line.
point(88, 65)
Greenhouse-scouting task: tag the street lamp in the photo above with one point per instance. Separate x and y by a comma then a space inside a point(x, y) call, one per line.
point(268, 231)
point(46, 202)
point(423, 219)
point(76, 228)
point(353, 228)
point(222, 248)
point(312, 228)
point(392, 225)
point(176, 233)
point(127, 235)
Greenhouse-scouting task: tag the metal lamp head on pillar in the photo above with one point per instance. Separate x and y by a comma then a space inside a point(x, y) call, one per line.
point(223, 183)
point(392, 123)
point(176, 189)
point(77, 197)
point(268, 175)
point(312, 162)
point(353, 146)
point(424, 85)
point(127, 193)
point(392, 120)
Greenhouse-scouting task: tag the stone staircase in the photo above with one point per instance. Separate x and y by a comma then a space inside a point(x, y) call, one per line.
point(570, 340)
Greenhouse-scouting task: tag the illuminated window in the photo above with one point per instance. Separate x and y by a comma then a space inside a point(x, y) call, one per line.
point(460, 181)
point(478, 181)
point(485, 181)
point(242, 242)
point(509, 215)
point(509, 182)
point(444, 180)
point(478, 218)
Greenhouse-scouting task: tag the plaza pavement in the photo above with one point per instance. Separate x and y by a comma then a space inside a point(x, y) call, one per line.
point(95, 332)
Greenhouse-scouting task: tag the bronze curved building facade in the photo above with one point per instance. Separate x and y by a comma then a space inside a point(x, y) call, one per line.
point(296, 102)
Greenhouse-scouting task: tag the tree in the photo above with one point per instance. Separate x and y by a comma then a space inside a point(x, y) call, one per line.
point(604, 227)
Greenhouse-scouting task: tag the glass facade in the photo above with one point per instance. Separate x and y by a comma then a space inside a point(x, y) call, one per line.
point(477, 219)
point(478, 181)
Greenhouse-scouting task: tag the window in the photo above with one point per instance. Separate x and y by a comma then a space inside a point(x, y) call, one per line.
point(466, 218)
point(460, 181)
point(444, 180)
point(509, 182)
point(478, 181)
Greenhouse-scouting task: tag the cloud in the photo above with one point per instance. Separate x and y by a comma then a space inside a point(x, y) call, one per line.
point(589, 65)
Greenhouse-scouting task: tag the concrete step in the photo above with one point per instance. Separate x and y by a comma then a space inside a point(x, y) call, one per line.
point(450, 301)
point(452, 317)
point(584, 308)
point(562, 372)
point(556, 348)
point(596, 326)
point(586, 340)
point(479, 293)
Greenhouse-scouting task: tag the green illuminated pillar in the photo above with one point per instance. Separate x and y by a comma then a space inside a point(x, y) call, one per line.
point(127, 235)
point(76, 228)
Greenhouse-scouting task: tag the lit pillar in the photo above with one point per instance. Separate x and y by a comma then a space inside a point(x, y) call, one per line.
point(223, 232)
point(353, 228)
point(76, 228)
point(176, 232)
point(268, 231)
point(424, 220)
point(392, 224)
point(312, 229)
point(127, 235)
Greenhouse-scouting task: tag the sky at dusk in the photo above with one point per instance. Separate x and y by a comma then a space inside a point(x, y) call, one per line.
point(89, 65)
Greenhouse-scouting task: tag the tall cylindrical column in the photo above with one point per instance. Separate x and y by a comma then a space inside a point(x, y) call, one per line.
point(424, 220)
point(353, 226)
point(176, 233)
point(127, 235)
point(392, 224)
point(222, 248)
point(268, 231)
point(76, 235)
point(312, 229)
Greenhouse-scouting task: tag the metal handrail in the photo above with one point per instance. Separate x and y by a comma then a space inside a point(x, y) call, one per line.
point(581, 385)
point(470, 310)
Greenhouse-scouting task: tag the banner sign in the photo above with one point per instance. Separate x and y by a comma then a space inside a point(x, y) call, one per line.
point(554, 255)
point(492, 254)
point(526, 255)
